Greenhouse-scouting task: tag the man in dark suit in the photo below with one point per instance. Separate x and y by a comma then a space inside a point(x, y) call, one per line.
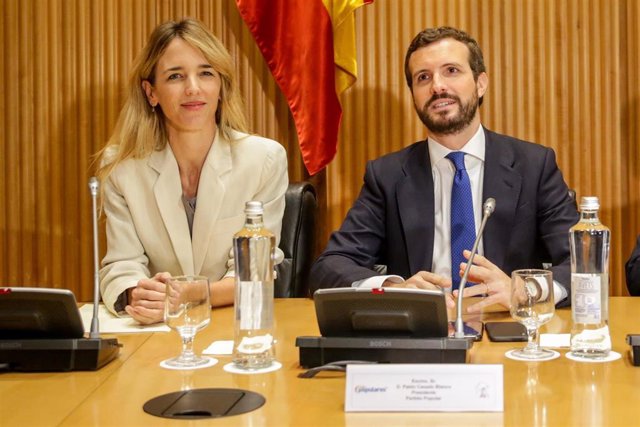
point(632, 270)
point(404, 215)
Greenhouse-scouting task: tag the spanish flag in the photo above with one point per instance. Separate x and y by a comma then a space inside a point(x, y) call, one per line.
point(310, 48)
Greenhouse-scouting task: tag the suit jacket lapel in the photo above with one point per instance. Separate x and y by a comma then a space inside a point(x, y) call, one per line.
point(211, 192)
point(416, 210)
point(168, 194)
point(502, 183)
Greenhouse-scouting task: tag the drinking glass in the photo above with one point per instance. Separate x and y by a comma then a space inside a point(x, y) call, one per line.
point(187, 310)
point(532, 305)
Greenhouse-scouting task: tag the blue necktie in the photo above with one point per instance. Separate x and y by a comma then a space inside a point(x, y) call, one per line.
point(463, 226)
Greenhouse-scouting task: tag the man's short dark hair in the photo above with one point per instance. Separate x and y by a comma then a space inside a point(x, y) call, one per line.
point(431, 35)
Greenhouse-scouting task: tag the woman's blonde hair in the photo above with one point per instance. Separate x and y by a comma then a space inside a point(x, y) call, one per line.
point(140, 130)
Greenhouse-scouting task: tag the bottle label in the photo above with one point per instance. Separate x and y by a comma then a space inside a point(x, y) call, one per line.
point(252, 302)
point(586, 298)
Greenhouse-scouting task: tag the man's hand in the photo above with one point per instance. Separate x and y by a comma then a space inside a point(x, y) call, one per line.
point(146, 300)
point(490, 281)
point(426, 280)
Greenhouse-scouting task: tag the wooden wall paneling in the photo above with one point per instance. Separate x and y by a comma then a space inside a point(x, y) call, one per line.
point(554, 67)
point(42, 123)
point(51, 161)
point(25, 130)
point(64, 68)
point(89, 52)
point(630, 119)
point(562, 74)
point(10, 226)
point(68, 117)
point(4, 262)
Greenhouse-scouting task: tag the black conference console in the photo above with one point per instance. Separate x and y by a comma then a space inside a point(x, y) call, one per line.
point(70, 354)
point(318, 351)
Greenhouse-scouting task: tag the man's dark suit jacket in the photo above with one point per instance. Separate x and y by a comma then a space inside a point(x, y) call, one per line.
point(391, 222)
point(632, 270)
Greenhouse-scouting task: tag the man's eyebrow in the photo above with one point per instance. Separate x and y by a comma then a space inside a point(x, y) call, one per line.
point(455, 64)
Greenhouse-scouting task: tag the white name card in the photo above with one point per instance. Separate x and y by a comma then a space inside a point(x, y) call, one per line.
point(424, 388)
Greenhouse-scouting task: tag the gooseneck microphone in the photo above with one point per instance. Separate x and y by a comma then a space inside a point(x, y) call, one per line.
point(61, 333)
point(94, 185)
point(487, 209)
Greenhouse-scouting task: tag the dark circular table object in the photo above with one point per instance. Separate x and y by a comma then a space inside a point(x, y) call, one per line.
point(204, 403)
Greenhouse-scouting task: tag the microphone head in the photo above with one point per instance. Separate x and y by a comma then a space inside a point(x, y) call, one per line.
point(94, 184)
point(489, 206)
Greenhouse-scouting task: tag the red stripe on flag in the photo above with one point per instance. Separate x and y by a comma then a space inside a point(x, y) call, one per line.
point(296, 40)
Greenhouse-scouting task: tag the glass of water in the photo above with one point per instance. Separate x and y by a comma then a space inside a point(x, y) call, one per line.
point(187, 309)
point(532, 305)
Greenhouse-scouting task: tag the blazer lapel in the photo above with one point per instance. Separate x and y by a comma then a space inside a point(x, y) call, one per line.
point(168, 193)
point(211, 192)
point(502, 183)
point(415, 207)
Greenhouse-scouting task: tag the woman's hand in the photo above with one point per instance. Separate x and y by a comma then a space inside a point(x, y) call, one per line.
point(146, 300)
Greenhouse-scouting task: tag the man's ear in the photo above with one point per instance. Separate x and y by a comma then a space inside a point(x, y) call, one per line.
point(148, 90)
point(482, 84)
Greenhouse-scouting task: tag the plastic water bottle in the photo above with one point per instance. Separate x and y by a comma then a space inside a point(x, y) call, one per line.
point(589, 242)
point(254, 251)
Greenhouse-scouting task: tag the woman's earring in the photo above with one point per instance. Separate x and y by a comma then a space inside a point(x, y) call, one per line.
point(153, 109)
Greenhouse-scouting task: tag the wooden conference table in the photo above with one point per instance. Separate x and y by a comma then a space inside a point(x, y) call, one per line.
point(554, 393)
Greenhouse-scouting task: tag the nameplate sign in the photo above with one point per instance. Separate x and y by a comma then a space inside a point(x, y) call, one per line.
point(424, 388)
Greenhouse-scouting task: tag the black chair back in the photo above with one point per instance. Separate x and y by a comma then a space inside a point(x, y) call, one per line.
point(297, 241)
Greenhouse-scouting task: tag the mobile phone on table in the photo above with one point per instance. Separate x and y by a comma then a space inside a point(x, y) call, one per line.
point(472, 329)
point(506, 331)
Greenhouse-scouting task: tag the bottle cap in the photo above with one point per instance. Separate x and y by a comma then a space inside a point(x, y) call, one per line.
point(253, 207)
point(589, 203)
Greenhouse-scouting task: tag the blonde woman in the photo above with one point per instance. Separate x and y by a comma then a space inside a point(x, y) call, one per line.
point(177, 172)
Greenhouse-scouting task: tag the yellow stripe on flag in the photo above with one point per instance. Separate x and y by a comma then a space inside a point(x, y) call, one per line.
point(344, 40)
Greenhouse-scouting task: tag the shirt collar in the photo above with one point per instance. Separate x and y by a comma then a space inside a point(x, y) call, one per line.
point(475, 147)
